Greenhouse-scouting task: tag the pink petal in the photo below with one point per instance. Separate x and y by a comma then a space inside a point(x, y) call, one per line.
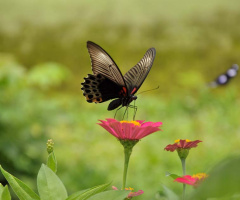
point(146, 124)
point(182, 143)
point(130, 130)
point(114, 188)
point(110, 120)
point(117, 127)
point(133, 194)
point(147, 131)
point(157, 124)
point(140, 121)
point(109, 129)
point(171, 147)
point(187, 179)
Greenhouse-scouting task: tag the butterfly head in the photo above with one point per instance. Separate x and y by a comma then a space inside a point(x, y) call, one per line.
point(134, 98)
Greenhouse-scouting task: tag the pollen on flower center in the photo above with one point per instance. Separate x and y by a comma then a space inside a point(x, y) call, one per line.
point(131, 122)
point(177, 141)
point(200, 176)
point(129, 189)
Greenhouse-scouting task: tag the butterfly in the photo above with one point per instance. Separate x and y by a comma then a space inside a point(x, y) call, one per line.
point(223, 79)
point(107, 81)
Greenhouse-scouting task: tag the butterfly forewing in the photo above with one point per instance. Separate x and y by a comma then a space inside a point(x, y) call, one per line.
point(103, 64)
point(136, 75)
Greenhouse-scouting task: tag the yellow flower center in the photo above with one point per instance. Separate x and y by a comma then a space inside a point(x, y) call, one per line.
point(131, 122)
point(129, 189)
point(200, 176)
point(177, 141)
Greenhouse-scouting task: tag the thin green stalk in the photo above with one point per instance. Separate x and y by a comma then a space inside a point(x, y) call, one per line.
point(184, 173)
point(127, 154)
point(183, 166)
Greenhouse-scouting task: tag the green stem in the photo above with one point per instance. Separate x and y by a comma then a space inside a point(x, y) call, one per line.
point(184, 173)
point(183, 166)
point(127, 153)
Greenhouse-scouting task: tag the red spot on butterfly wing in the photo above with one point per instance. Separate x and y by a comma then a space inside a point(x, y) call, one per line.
point(133, 91)
point(123, 91)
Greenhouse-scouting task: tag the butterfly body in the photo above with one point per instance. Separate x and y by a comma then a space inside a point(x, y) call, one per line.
point(107, 81)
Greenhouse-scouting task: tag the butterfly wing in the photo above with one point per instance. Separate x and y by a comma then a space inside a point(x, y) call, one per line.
point(103, 64)
point(107, 82)
point(99, 89)
point(137, 74)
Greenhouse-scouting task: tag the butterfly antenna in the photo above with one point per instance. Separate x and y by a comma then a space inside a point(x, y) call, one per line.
point(149, 90)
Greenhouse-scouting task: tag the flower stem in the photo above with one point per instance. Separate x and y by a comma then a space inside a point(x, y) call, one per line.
point(127, 153)
point(183, 166)
point(184, 173)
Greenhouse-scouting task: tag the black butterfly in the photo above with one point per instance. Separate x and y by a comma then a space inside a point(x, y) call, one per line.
point(107, 81)
point(223, 79)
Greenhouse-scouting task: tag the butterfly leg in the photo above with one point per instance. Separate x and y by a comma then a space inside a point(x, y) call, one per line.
point(135, 110)
point(126, 111)
point(117, 111)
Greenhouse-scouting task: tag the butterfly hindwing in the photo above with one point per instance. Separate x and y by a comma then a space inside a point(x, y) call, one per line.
point(137, 74)
point(99, 89)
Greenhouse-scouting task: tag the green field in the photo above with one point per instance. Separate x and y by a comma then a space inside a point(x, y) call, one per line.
point(43, 59)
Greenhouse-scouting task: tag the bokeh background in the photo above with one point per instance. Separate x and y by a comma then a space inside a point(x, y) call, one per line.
point(43, 59)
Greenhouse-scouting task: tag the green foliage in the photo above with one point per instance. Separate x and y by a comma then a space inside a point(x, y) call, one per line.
point(49, 185)
point(21, 189)
point(167, 194)
point(113, 195)
point(47, 75)
point(85, 194)
point(223, 181)
point(24, 118)
point(174, 176)
point(52, 162)
point(4, 193)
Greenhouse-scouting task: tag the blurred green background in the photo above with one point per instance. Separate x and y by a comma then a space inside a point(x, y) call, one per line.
point(43, 59)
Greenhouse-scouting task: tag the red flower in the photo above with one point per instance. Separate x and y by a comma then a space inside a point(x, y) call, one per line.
point(134, 194)
point(131, 194)
point(130, 130)
point(182, 144)
point(194, 180)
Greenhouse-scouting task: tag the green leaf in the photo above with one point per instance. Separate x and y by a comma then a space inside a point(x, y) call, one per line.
point(4, 193)
point(52, 162)
point(20, 189)
point(50, 187)
point(223, 181)
point(174, 176)
point(111, 195)
point(169, 193)
point(85, 194)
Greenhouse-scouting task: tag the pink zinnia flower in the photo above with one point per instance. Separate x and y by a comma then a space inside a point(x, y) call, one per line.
point(129, 133)
point(194, 180)
point(131, 194)
point(130, 130)
point(182, 144)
